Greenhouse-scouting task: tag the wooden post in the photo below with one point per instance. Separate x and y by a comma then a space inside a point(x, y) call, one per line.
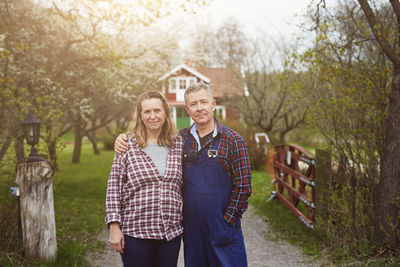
point(37, 210)
point(323, 177)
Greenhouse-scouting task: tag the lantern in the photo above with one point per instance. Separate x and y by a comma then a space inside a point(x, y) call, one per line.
point(32, 132)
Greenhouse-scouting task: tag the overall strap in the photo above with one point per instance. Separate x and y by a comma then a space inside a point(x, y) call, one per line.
point(188, 143)
point(215, 142)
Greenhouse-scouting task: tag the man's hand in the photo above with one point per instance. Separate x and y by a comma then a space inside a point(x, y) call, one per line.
point(116, 239)
point(120, 144)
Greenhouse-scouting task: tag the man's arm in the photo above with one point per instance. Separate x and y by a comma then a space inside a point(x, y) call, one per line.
point(241, 177)
point(120, 144)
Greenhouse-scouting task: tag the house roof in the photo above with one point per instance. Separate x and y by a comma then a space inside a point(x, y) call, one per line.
point(187, 68)
point(222, 81)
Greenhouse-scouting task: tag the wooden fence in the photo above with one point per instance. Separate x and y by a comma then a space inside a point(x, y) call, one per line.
point(294, 180)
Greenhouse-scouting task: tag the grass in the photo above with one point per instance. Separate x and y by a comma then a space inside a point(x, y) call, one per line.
point(79, 203)
point(79, 200)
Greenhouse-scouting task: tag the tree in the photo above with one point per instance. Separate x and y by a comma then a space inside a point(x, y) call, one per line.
point(255, 63)
point(76, 62)
point(24, 83)
point(271, 103)
point(347, 89)
point(388, 202)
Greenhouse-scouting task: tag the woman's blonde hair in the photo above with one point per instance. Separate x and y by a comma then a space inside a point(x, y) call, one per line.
point(137, 128)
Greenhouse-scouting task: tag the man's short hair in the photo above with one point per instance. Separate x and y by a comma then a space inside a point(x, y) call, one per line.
point(197, 87)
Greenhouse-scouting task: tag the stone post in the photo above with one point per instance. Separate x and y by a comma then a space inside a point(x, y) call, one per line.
point(37, 210)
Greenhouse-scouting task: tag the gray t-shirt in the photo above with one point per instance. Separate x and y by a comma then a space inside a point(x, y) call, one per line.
point(158, 154)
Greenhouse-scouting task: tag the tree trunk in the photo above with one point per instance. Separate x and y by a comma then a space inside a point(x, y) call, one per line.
point(19, 148)
point(52, 148)
point(53, 153)
point(37, 210)
point(77, 143)
point(387, 210)
point(93, 140)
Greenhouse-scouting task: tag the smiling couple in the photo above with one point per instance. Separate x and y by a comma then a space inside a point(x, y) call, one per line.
point(163, 184)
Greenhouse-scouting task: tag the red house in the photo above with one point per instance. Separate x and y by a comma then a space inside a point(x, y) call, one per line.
point(175, 82)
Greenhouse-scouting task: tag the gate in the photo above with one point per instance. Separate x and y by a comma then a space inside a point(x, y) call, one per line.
point(294, 169)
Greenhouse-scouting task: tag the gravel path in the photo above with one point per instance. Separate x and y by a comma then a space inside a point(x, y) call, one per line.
point(261, 247)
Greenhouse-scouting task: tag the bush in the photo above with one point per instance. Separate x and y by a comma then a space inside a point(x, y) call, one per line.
point(108, 141)
point(257, 153)
point(108, 138)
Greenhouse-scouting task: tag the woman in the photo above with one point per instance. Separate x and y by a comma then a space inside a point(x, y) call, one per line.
point(144, 191)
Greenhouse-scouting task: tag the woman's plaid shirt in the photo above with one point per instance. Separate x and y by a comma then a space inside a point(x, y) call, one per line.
point(147, 205)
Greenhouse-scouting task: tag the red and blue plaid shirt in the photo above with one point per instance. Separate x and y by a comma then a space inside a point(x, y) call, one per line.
point(146, 204)
point(234, 157)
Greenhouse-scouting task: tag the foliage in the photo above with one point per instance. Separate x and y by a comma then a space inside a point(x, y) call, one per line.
point(346, 81)
point(79, 64)
point(257, 151)
point(108, 138)
point(284, 225)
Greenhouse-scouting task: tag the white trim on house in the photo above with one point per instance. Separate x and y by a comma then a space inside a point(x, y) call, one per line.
point(163, 90)
point(173, 111)
point(187, 68)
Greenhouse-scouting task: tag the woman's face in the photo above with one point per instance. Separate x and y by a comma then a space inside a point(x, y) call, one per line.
point(153, 114)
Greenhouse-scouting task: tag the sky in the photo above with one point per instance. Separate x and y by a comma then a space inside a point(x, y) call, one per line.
point(276, 17)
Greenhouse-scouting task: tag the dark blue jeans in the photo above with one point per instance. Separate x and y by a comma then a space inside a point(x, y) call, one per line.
point(150, 252)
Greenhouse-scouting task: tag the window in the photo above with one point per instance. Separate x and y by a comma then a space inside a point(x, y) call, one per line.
point(220, 112)
point(182, 84)
point(172, 85)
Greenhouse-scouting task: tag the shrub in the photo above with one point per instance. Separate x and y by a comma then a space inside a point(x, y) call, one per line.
point(257, 152)
point(108, 138)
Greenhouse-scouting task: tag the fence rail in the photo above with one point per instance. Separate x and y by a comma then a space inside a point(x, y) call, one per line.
point(294, 181)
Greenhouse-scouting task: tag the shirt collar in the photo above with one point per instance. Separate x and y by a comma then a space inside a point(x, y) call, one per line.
point(193, 131)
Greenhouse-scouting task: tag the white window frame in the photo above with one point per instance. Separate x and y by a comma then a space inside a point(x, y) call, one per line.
point(170, 89)
point(188, 81)
point(173, 111)
point(222, 110)
point(184, 81)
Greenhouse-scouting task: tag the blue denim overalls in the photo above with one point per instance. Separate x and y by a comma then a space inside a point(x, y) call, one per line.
point(208, 239)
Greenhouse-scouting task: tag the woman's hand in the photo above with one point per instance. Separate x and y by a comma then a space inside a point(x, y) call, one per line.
point(120, 144)
point(116, 239)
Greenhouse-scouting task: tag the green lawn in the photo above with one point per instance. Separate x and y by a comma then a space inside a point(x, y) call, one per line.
point(79, 200)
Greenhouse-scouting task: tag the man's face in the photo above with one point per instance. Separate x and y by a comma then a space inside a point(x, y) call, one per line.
point(200, 107)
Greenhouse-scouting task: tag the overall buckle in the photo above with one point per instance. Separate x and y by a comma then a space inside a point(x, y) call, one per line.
point(212, 153)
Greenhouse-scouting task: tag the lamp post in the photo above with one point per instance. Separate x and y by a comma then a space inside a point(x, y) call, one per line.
point(32, 132)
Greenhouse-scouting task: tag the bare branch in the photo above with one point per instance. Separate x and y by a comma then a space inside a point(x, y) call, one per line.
point(377, 31)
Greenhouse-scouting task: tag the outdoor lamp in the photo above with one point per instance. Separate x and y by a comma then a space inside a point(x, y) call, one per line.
point(32, 132)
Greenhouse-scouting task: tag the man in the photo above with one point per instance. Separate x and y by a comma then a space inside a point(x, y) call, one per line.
point(217, 184)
